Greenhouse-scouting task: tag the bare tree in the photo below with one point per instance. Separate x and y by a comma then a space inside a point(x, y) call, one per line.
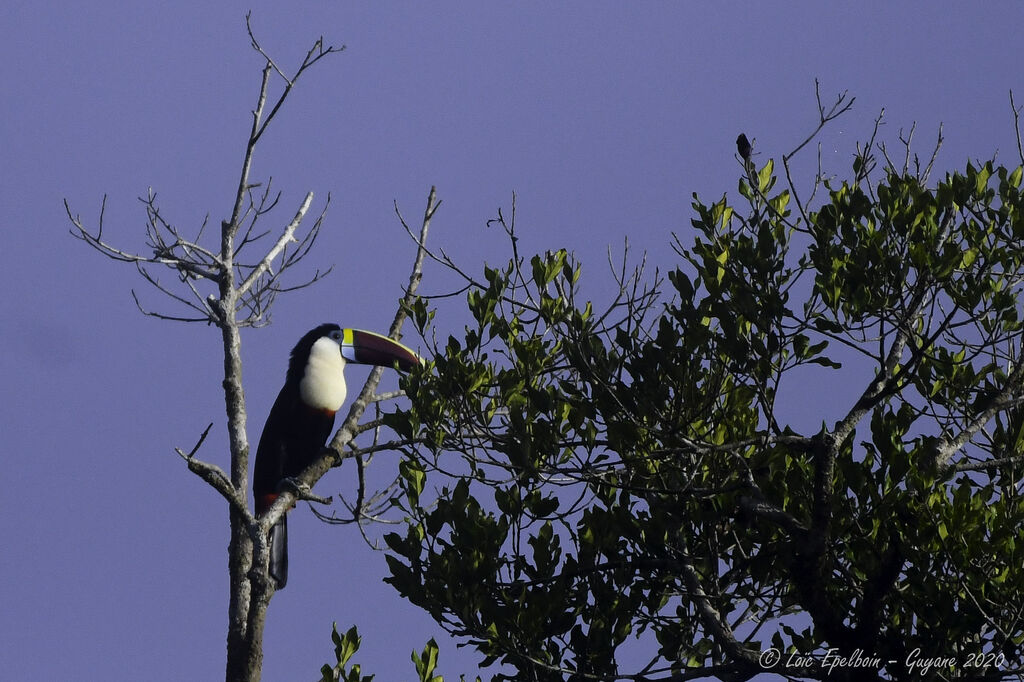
point(224, 286)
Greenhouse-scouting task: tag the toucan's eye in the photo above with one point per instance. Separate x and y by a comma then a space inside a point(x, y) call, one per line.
point(336, 335)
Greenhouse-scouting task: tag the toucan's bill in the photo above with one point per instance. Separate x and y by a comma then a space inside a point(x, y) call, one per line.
point(370, 348)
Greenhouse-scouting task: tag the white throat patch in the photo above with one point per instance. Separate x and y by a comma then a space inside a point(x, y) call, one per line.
point(323, 383)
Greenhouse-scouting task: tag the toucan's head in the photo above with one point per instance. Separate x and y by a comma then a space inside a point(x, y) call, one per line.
point(318, 361)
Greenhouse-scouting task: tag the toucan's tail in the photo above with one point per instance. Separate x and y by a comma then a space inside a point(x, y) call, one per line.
point(278, 541)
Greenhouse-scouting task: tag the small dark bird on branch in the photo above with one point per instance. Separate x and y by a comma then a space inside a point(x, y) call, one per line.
point(745, 150)
point(743, 147)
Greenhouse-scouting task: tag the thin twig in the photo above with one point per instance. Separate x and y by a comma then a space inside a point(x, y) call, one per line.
point(1016, 127)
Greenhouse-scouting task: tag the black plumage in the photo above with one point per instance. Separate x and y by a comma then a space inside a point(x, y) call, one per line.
point(743, 147)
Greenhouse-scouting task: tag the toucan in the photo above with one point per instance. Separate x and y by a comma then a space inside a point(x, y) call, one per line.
point(302, 417)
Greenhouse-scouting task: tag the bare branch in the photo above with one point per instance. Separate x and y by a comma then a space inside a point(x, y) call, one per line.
point(230, 227)
point(838, 108)
point(935, 153)
point(213, 475)
point(712, 619)
point(989, 464)
point(1016, 127)
point(163, 316)
point(198, 444)
point(417, 268)
point(315, 54)
point(1007, 397)
point(287, 236)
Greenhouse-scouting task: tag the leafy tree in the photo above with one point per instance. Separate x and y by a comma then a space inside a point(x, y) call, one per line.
point(586, 482)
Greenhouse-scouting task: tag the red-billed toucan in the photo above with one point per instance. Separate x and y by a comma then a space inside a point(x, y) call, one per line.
point(302, 417)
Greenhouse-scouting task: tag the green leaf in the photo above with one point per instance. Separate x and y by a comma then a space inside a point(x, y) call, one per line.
point(744, 189)
point(346, 645)
point(981, 179)
point(721, 258)
point(780, 202)
point(426, 662)
point(968, 258)
point(764, 176)
point(415, 477)
point(1015, 177)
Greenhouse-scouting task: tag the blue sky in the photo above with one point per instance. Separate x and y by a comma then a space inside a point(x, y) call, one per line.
point(602, 117)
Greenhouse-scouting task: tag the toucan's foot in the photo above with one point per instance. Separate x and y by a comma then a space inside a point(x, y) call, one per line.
point(301, 491)
point(293, 486)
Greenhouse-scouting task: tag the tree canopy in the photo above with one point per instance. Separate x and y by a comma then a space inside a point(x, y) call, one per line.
point(623, 490)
